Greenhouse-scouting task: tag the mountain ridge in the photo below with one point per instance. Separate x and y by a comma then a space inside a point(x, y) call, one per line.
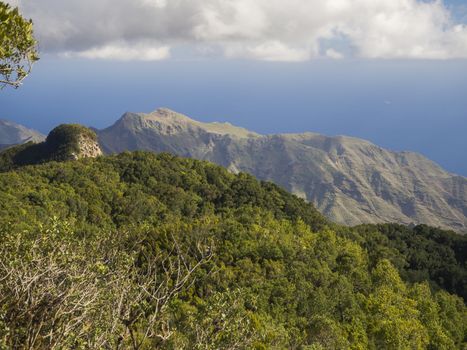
point(12, 134)
point(350, 180)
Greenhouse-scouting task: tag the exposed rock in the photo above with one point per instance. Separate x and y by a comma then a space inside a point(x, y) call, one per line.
point(88, 148)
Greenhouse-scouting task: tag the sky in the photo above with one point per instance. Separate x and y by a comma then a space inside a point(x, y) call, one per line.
point(390, 71)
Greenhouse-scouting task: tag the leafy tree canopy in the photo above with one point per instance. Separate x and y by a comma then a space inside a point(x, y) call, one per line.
point(18, 48)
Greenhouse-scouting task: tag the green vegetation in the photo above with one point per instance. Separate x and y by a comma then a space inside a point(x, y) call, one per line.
point(421, 253)
point(17, 46)
point(61, 144)
point(145, 251)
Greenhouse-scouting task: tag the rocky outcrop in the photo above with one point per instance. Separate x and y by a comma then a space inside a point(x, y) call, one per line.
point(87, 148)
point(71, 142)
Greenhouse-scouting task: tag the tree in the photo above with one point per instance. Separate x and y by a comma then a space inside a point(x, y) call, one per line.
point(394, 320)
point(60, 290)
point(222, 322)
point(18, 48)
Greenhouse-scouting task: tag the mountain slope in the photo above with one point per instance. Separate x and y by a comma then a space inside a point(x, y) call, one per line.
point(13, 134)
point(350, 180)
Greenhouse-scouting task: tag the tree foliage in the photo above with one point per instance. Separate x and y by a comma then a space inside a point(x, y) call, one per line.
point(18, 48)
point(421, 253)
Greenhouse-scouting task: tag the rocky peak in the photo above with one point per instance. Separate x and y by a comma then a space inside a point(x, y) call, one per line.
point(72, 141)
point(167, 122)
point(166, 113)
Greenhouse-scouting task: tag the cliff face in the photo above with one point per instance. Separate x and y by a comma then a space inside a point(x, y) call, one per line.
point(350, 180)
point(87, 148)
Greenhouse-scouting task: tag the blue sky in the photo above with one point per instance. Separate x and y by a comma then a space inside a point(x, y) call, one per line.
point(397, 77)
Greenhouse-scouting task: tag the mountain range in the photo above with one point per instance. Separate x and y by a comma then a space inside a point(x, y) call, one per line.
point(350, 180)
point(13, 134)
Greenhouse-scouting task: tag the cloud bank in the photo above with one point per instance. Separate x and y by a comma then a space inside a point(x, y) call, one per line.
point(271, 30)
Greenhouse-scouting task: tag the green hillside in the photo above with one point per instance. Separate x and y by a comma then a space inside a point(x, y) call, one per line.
point(144, 251)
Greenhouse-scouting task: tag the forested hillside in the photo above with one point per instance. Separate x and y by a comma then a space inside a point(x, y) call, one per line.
point(144, 251)
point(421, 253)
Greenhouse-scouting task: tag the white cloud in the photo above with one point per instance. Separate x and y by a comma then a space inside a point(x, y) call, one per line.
point(334, 54)
point(275, 30)
point(123, 52)
point(269, 51)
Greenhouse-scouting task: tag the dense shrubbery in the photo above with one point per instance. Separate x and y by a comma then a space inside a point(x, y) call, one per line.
point(421, 253)
point(144, 251)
